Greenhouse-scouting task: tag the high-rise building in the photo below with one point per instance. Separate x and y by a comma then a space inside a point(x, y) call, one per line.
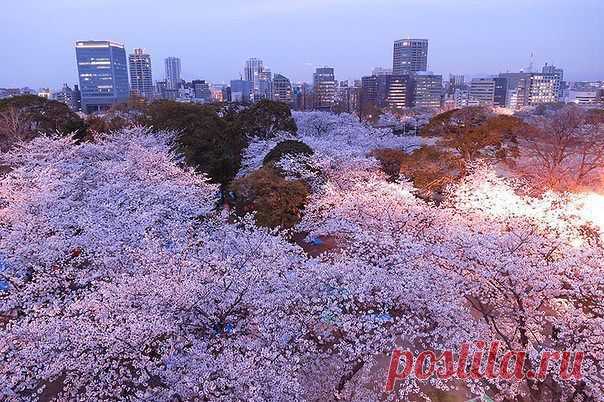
point(543, 88)
point(265, 85)
point(162, 90)
point(387, 91)
point(173, 80)
point(141, 78)
point(530, 89)
point(501, 92)
point(517, 89)
point(201, 90)
point(303, 96)
point(67, 96)
point(217, 93)
point(369, 91)
point(282, 89)
point(103, 74)
point(241, 91)
point(398, 94)
point(482, 92)
point(461, 97)
point(410, 56)
point(427, 90)
point(488, 92)
point(252, 70)
point(324, 85)
point(558, 75)
point(456, 80)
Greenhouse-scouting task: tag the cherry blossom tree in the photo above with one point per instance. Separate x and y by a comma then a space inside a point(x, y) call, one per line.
point(125, 281)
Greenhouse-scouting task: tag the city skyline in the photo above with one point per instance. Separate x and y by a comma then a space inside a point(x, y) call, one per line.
point(215, 50)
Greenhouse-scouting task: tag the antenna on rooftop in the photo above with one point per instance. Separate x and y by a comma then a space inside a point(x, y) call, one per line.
point(531, 63)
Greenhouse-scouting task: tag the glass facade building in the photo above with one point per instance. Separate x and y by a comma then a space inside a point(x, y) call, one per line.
point(141, 76)
point(173, 80)
point(103, 74)
point(324, 84)
point(409, 56)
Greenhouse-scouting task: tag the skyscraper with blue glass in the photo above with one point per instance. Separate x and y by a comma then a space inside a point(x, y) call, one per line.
point(103, 74)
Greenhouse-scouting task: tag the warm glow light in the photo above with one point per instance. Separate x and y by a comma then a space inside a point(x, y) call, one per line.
point(593, 209)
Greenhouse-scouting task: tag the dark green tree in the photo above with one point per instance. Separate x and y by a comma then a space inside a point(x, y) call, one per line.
point(266, 118)
point(42, 115)
point(209, 143)
point(288, 147)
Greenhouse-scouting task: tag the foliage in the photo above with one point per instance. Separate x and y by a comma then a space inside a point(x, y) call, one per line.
point(266, 118)
point(287, 147)
point(475, 133)
point(390, 161)
point(24, 117)
point(208, 142)
point(429, 168)
point(564, 150)
point(125, 283)
point(276, 201)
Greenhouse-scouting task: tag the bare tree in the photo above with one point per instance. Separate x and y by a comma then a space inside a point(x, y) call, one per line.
point(14, 127)
point(564, 151)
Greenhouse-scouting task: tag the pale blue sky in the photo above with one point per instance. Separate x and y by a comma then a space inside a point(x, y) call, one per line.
point(213, 38)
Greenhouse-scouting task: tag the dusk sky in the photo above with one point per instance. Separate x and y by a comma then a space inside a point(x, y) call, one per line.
point(213, 38)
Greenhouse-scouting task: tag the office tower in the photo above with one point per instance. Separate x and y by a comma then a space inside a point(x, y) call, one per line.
point(241, 91)
point(173, 80)
point(500, 97)
point(165, 93)
point(342, 103)
point(226, 93)
point(456, 80)
point(252, 69)
point(517, 93)
point(67, 96)
point(265, 85)
point(398, 94)
point(369, 92)
point(282, 89)
point(558, 75)
point(543, 88)
point(488, 92)
point(217, 92)
point(427, 90)
point(141, 79)
point(461, 97)
point(324, 85)
point(103, 74)
point(201, 90)
point(530, 89)
point(386, 91)
point(410, 56)
point(482, 92)
point(302, 94)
